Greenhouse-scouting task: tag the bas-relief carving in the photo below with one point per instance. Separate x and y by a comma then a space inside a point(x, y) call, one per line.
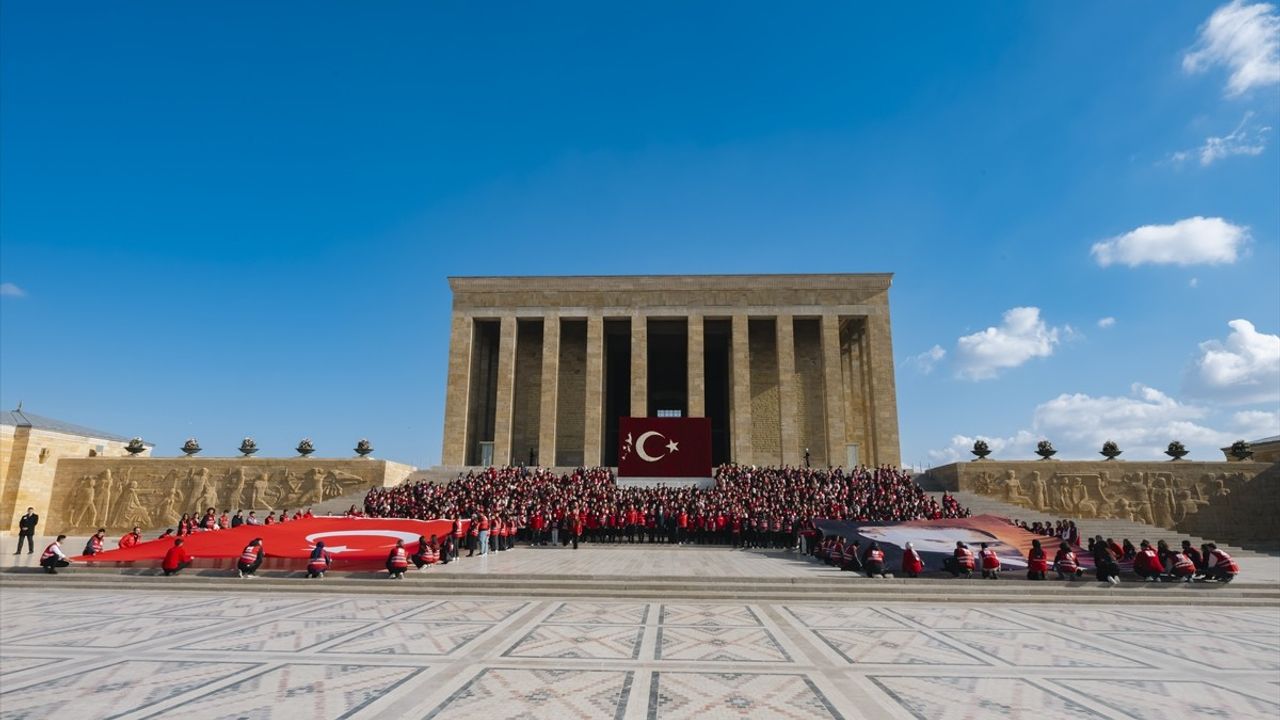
point(123, 499)
point(1161, 498)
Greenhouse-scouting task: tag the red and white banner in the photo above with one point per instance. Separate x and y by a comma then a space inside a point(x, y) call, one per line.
point(664, 447)
point(356, 543)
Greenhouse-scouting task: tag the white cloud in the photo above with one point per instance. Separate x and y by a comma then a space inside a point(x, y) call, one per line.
point(1021, 336)
point(1244, 38)
point(1142, 423)
point(1256, 424)
point(1247, 138)
point(1106, 322)
point(1243, 369)
point(10, 290)
point(927, 360)
point(1021, 444)
point(1193, 241)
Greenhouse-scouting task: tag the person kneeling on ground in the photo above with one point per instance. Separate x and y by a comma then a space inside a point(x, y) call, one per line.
point(397, 561)
point(130, 539)
point(1066, 564)
point(319, 562)
point(912, 563)
point(175, 559)
point(426, 553)
point(94, 545)
point(1147, 564)
point(53, 558)
point(250, 558)
point(1184, 568)
point(1037, 562)
point(1105, 564)
point(960, 562)
point(1221, 566)
point(853, 557)
point(990, 562)
point(874, 561)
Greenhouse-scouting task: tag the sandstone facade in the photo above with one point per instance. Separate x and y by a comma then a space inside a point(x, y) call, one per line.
point(544, 366)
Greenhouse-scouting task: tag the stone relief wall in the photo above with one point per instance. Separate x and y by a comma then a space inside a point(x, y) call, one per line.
point(1166, 494)
point(119, 493)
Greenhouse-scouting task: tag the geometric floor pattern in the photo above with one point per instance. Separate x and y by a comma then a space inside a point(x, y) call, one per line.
point(194, 655)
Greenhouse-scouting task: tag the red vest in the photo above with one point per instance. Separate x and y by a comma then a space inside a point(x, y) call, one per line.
point(249, 555)
point(319, 563)
point(911, 561)
point(875, 556)
point(1182, 564)
point(1224, 562)
point(964, 557)
point(1067, 562)
point(1037, 563)
point(48, 552)
point(990, 561)
point(399, 560)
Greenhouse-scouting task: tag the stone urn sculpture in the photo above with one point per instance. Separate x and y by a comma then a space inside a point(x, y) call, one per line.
point(981, 450)
point(1241, 450)
point(191, 447)
point(135, 446)
point(248, 447)
point(1110, 450)
point(364, 447)
point(1176, 450)
point(305, 447)
point(1045, 450)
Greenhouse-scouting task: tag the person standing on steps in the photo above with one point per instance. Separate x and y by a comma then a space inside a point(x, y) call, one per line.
point(27, 531)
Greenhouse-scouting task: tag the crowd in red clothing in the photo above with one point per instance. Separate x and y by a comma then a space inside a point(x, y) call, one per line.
point(750, 506)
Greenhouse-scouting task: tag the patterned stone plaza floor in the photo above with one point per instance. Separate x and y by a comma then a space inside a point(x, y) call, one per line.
point(133, 654)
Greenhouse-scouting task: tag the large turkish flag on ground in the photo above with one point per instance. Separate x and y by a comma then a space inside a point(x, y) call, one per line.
point(664, 447)
point(356, 543)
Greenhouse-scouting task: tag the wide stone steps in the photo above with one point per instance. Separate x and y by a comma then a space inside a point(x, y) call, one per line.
point(840, 589)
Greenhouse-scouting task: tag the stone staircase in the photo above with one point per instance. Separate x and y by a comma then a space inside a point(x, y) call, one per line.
point(1117, 529)
point(842, 587)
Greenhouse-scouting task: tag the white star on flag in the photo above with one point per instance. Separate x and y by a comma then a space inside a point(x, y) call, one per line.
point(673, 446)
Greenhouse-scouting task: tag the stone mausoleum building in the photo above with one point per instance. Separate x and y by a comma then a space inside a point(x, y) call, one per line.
point(541, 368)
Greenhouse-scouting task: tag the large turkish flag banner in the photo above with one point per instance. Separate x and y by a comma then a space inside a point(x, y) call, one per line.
point(664, 447)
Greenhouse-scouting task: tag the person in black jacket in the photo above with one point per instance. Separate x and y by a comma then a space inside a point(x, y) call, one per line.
point(27, 530)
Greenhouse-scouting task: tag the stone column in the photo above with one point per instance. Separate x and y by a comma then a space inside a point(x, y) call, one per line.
point(591, 455)
point(457, 392)
point(883, 397)
point(505, 402)
point(833, 386)
point(550, 390)
point(639, 366)
point(741, 360)
point(697, 393)
point(788, 401)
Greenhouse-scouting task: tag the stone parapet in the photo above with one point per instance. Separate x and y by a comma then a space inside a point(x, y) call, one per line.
point(1236, 502)
point(119, 493)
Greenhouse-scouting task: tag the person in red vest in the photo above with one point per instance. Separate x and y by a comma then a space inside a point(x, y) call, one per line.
point(482, 534)
point(576, 524)
point(853, 557)
point(94, 544)
point(397, 561)
point(835, 555)
point(426, 554)
point(1037, 562)
point(271, 518)
point(250, 558)
point(682, 528)
point(960, 562)
point(912, 563)
point(53, 558)
point(990, 562)
point(1146, 564)
point(224, 521)
point(1219, 565)
point(537, 523)
point(1065, 563)
point(473, 534)
point(131, 538)
point(319, 562)
point(1183, 567)
point(175, 559)
point(874, 562)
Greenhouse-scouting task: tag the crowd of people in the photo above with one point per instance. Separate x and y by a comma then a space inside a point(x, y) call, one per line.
point(747, 506)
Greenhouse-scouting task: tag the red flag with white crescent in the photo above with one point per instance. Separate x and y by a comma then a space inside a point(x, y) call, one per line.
point(664, 447)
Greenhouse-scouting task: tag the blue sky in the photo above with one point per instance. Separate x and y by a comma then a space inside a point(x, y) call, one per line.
point(222, 219)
